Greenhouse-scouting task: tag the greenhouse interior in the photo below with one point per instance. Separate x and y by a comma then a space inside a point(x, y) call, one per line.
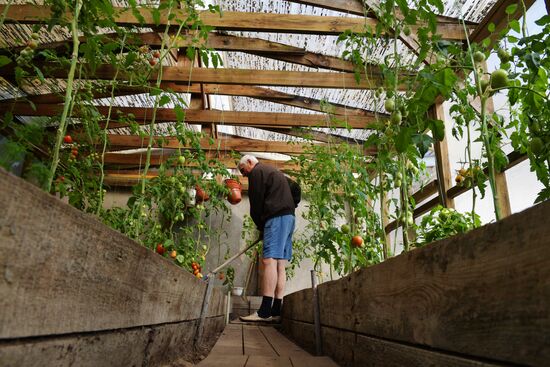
point(274, 183)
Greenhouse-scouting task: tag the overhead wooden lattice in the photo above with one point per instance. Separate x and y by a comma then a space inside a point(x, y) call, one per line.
point(302, 52)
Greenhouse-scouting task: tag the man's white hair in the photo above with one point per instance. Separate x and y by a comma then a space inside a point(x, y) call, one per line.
point(248, 157)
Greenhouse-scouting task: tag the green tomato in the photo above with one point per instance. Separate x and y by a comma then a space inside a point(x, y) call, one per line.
point(479, 57)
point(484, 84)
point(344, 228)
point(181, 160)
point(537, 146)
point(503, 55)
point(396, 117)
point(499, 79)
point(389, 105)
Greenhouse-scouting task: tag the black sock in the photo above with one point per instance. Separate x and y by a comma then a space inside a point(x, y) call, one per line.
point(276, 308)
point(265, 308)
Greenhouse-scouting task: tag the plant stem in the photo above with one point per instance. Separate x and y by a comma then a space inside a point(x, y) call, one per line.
point(469, 151)
point(68, 95)
point(490, 158)
point(104, 148)
point(383, 213)
point(484, 129)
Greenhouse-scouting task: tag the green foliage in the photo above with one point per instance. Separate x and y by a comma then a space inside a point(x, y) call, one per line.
point(336, 185)
point(441, 223)
point(159, 210)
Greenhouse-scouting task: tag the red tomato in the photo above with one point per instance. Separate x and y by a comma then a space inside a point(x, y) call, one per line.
point(160, 249)
point(68, 139)
point(357, 241)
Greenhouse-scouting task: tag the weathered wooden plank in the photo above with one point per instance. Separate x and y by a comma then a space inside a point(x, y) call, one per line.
point(371, 352)
point(299, 306)
point(226, 43)
point(283, 346)
point(234, 21)
point(314, 60)
point(223, 144)
point(283, 78)
point(75, 267)
point(265, 94)
point(266, 361)
point(497, 15)
point(109, 349)
point(302, 361)
point(255, 343)
point(139, 159)
point(145, 115)
point(485, 294)
point(230, 343)
point(350, 349)
point(301, 333)
point(356, 7)
point(425, 192)
point(221, 360)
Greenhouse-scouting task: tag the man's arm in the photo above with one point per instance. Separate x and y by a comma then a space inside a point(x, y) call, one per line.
point(256, 194)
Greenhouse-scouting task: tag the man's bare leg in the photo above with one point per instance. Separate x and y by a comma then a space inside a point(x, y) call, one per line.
point(270, 277)
point(281, 279)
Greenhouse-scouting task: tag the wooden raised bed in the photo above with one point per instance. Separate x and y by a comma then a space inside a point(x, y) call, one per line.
point(75, 292)
point(478, 299)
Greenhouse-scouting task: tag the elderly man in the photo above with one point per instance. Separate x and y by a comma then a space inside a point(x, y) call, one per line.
point(272, 210)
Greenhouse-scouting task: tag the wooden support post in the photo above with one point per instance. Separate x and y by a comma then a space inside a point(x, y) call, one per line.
point(443, 166)
point(501, 186)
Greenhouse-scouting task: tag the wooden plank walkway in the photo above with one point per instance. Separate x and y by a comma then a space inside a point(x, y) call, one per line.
point(256, 345)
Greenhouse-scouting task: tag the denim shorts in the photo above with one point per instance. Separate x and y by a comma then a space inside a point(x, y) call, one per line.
point(278, 237)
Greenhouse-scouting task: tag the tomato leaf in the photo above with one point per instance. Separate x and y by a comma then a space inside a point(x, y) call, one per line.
point(4, 60)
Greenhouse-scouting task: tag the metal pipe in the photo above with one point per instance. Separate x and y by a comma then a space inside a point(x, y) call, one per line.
point(212, 272)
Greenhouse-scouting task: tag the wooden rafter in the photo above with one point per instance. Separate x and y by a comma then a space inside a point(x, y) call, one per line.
point(497, 15)
point(143, 115)
point(233, 21)
point(223, 144)
point(260, 93)
point(230, 76)
point(356, 7)
point(137, 159)
point(256, 46)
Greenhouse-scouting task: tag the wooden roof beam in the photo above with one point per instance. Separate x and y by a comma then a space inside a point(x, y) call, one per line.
point(497, 15)
point(356, 7)
point(143, 116)
point(233, 21)
point(223, 144)
point(231, 76)
point(254, 46)
point(133, 159)
point(260, 93)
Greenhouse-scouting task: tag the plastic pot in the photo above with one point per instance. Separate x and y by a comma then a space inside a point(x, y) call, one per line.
point(234, 196)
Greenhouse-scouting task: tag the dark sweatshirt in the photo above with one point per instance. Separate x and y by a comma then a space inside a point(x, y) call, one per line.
point(269, 194)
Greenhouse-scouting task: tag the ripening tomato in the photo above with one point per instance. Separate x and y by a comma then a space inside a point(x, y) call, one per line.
point(68, 139)
point(357, 241)
point(160, 249)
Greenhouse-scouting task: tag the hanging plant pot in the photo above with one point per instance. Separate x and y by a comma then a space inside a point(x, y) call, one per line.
point(201, 195)
point(234, 196)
